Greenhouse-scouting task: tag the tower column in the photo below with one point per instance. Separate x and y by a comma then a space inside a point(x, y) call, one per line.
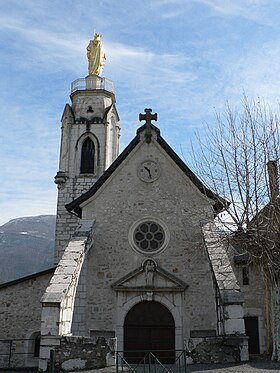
point(89, 140)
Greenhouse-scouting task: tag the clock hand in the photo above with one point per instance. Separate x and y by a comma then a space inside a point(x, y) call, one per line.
point(149, 171)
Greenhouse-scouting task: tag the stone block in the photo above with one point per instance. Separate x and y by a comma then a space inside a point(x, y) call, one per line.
point(78, 317)
point(43, 365)
point(48, 341)
point(234, 326)
point(65, 262)
point(61, 279)
point(244, 352)
point(55, 290)
point(45, 352)
point(232, 297)
point(62, 270)
point(234, 311)
point(73, 364)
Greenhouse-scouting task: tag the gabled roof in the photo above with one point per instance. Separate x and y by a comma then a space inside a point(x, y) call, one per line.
point(26, 278)
point(75, 205)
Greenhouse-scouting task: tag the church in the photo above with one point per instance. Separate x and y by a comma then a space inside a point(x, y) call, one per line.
point(139, 262)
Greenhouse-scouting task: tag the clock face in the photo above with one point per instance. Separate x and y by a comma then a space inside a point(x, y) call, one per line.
point(148, 171)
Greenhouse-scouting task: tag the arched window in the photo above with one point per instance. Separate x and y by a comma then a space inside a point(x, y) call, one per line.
point(87, 157)
point(36, 351)
point(245, 275)
point(32, 348)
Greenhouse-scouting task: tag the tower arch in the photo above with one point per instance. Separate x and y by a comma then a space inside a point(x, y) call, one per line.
point(87, 157)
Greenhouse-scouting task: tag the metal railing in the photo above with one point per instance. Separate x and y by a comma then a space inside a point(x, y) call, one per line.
point(92, 82)
point(15, 352)
point(156, 361)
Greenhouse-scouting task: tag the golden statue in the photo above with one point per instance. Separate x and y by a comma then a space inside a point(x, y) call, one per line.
point(96, 55)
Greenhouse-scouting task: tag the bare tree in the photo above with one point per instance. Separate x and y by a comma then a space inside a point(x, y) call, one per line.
point(237, 159)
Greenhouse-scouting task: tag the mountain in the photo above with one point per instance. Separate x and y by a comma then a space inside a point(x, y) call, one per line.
point(26, 246)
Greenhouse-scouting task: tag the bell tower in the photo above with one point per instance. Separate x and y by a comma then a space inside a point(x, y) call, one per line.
point(89, 140)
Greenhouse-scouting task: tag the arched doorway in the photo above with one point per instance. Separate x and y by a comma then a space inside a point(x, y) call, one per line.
point(149, 326)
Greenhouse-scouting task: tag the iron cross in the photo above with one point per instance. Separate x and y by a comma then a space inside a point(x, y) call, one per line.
point(148, 117)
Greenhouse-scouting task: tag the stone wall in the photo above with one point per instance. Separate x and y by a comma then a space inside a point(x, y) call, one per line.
point(66, 223)
point(122, 201)
point(216, 350)
point(83, 353)
point(255, 300)
point(229, 290)
point(80, 353)
point(20, 319)
point(58, 299)
point(257, 295)
point(21, 305)
point(77, 125)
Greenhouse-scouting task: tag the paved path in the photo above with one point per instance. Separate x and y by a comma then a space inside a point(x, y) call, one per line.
point(251, 367)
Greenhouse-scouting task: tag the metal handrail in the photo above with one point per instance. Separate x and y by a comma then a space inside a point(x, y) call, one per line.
point(82, 84)
point(150, 362)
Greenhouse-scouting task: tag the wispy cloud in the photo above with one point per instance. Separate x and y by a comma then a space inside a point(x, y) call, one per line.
point(228, 7)
point(48, 48)
point(180, 58)
point(256, 72)
point(254, 10)
point(250, 9)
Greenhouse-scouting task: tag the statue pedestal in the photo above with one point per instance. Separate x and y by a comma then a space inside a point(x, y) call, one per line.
point(93, 82)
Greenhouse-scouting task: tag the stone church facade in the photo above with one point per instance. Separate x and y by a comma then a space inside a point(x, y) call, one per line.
point(139, 260)
point(135, 236)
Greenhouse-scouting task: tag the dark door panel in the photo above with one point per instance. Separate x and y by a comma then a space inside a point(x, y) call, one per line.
point(252, 331)
point(149, 326)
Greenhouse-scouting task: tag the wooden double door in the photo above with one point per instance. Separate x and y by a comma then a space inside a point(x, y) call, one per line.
point(149, 327)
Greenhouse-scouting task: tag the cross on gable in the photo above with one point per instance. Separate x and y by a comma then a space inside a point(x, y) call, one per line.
point(148, 117)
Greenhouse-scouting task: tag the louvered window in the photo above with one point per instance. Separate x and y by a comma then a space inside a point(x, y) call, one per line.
point(87, 157)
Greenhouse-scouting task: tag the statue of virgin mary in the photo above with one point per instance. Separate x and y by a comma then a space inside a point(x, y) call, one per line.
point(96, 55)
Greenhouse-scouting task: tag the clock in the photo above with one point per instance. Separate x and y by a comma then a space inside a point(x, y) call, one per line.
point(148, 171)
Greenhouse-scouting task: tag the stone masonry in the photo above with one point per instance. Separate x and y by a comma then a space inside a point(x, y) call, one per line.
point(231, 315)
point(92, 114)
point(79, 353)
point(139, 259)
point(15, 296)
point(20, 315)
point(58, 299)
point(124, 200)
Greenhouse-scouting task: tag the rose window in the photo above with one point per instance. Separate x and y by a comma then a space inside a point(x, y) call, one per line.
point(149, 236)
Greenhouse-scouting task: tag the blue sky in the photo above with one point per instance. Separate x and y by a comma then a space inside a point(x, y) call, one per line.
point(182, 58)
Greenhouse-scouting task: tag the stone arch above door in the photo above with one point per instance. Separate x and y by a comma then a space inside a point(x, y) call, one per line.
point(124, 304)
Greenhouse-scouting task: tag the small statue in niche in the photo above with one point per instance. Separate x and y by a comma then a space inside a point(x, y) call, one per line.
point(96, 55)
point(150, 268)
